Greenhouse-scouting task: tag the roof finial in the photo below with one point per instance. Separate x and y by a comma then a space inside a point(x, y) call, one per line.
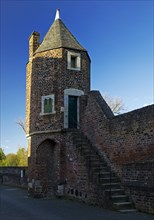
point(57, 14)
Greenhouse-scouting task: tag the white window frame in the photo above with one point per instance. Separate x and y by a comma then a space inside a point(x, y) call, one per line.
point(42, 104)
point(78, 60)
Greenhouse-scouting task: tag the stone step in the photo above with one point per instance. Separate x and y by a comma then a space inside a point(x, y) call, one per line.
point(127, 210)
point(114, 192)
point(111, 185)
point(120, 198)
point(101, 174)
point(81, 143)
point(97, 167)
point(91, 156)
point(95, 162)
point(100, 169)
point(108, 180)
point(123, 205)
point(86, 150)
point(86, 153)
point(106, 174)
point(79, 138)
point(94, 159)
point(82, 146)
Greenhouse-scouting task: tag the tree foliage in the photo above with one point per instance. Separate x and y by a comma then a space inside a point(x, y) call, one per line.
point(2, 155)
point(22, 157)
point(11, 160)
point(18, 159)
point(115, 103)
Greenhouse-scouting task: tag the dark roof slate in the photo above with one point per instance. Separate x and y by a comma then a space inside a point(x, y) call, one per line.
point(59, 36)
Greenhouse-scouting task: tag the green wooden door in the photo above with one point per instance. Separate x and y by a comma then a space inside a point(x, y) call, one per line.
point(72, 112)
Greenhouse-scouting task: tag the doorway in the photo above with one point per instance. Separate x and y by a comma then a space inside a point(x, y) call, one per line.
point(72, 107)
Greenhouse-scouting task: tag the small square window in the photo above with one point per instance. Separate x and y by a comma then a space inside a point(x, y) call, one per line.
point(48, 104)
point(73, 61)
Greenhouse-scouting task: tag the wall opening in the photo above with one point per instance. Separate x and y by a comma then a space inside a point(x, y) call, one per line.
point(71, 107)
point(46, 166)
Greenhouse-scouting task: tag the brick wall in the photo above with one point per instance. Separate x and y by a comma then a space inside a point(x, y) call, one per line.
point(138, 180)
point(47, 74)
point(69, 168)
point(95, 120)
point(132, 136)
point(121, 140)
point(15, 176)
point(78, 183)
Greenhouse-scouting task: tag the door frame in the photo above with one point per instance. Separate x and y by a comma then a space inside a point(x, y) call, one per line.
point(67, 93)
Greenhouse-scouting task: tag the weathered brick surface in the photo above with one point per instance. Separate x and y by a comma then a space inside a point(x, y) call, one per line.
point(68, 167)
point(47, 73)
point(122, 140)
point(54, 160)
point(15, 176)
point(94, 122)
point(132, 136)
point(138, 180)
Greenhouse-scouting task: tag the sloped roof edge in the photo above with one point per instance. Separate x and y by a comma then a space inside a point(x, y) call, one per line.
point(59, 36)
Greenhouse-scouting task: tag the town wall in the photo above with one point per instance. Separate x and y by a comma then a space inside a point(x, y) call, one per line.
point(138, 180)
point(126, 142)
point(14, 176)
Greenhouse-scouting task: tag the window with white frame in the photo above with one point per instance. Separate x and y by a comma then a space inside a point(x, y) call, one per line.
point(73, 61)
point(48, 104)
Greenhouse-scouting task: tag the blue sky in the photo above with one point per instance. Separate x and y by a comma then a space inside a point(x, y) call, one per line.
point(117, 34)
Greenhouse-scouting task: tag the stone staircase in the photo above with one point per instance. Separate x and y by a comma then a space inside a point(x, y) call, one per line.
point(100, 173)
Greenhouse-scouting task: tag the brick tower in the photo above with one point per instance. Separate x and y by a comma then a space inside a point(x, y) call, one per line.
point(58, 73)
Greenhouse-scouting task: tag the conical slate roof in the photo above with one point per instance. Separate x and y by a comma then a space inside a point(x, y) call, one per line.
point(59, 36)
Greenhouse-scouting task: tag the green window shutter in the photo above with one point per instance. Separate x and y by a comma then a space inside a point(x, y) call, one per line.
point(48, 105)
